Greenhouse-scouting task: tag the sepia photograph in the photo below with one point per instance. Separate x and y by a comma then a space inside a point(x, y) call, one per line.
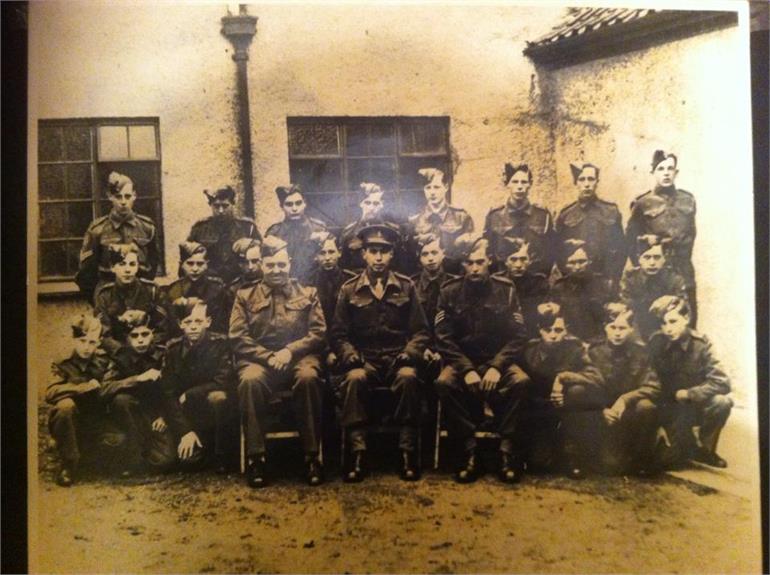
point(392, 287)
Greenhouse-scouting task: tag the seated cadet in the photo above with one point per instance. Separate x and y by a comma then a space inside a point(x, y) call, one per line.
point(121, 226)
point(631, 386)
point(127, 292)
point(479, 334)
point(296, 229)
point(694, 386)
point(595, 221)
point(581, 292)
point(197, 381)
point(195, 281)
point(77, 414)
point(277, 330)
point(218, 232)
point(522, 219)
point(563, 386)
point(652, 278)
point(248, 254)
point(379, 334)
point(131, 390)
point(439, 218)
point(531, 287)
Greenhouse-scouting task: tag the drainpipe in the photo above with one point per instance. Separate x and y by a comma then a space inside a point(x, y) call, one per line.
point(240, 29)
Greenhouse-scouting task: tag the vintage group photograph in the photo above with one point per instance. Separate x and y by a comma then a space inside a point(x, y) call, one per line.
point(391, 287)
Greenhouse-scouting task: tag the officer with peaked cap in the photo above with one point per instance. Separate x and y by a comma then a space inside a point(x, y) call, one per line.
point(379, 334)
point(218, 232)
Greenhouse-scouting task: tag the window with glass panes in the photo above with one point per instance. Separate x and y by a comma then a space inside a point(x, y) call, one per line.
point(75, 158)
point(331, 157)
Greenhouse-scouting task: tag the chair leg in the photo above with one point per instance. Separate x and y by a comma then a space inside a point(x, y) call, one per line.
point(321, 451)
point(243, 450)
point(437, 445)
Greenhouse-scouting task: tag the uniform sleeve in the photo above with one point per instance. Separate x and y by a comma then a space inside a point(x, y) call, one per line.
point(418, 327)
point(616, 248)
point(549, 244)
point(516, 335)
point(114, 383)
point(172, 410)
point(243, 345)
point(223, 378)
point(153, 253)
point(88, 267)
point(109, 342)
point(626, 288)
point(489, 234)
point(468, 225)
point(62, 384)
point(586, 373)
point(340, 330)
point(649, 387)
point(315, 338)
point(633, 230)
point(714, 380)
point(446, 338)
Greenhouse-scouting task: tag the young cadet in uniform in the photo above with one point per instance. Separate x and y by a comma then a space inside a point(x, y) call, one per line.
point(521, 218)
point(127, 292)
point(196, 281)
point(595, 221)
point(131, 390)
point(248, 254)
point(296, 229)
point(631, 386)
point(197, 381)
point(439, 218)
point(652, 278)
point(121, 226)
point(667, 211)
point(694, 386)
point(77, 415)
point(218, 232)
point(379, 334)
point(581, 292)
point(531, 287)
point(564, 388)
point(480, 334)
point(277, 330)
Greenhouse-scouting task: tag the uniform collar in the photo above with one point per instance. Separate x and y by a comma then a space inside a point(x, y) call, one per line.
point(363, 282)
point(425, 280)
point(440, 213)
point(586, 203)
point(665, 190)
point(118, 221)
point(682, 343)
point(526, 208)
point(284, 290)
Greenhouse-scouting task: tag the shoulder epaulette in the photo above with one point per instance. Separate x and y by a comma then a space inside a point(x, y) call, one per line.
point(452, 281)
point(642, 196)
point(698, 335)
point(606, 203)
point(174, 342)
point(146, 281)
point(567, 207)
point(685, 192)
point(215, 335)
point(97, 221)
point(146, 219)
point(539, 207)
point(401, 276)
point(201, 221)
point(317, 221)
point(272, 228)
point(216, 279)
point(352, 280)
point(104, 287)
point(501, 278)
point(349, 273)
point(497, 209)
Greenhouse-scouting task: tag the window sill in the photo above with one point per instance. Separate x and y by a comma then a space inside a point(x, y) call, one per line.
point(56, 289)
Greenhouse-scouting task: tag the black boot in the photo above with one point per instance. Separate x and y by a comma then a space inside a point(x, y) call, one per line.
point(468, 471)
point(314, 474)
point(711, 458)
point(410, 469)
point(66, 475)
point(357, 468)
point(511, 469)
point(256, 475)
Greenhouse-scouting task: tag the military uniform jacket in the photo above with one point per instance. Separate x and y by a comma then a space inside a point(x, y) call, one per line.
point(639, 290)
point(205, 366)
point(112, 229)
point(532, 290)
point(328, 284)
point(479, 324)
point(543, 363)
point(448, 224)
point(666, 212)
point(69, 374)
point(379, 329)
point(428, 290)
point(125, 365)
point(688, 363)
point(582, 298)
point(219, 235)
point(301, 249)
point(598, 223)
point(265, 320)
point(210, 289)
point(626, 371)
point(532, 223)
point(113, 299)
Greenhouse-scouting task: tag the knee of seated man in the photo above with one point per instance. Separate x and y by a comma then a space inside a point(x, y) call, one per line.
point(516, 375)
point(406, 373)
point(66, 406)
point(216, 398)
point(575, 392)
point(356, 376)
point(721, 403)
point(644, 406)
point(305, 374)
point(251, 375)
point(445, 381)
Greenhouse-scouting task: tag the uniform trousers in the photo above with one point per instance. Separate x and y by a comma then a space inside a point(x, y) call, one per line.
point(134, 414)
point(76, 422)
point(630, 441)
point(257, 389)
point(209, 412)
point(678, 419)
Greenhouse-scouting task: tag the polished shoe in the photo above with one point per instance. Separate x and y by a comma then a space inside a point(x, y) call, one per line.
point(66, 476)
point(709, 458)
point(468, 472)
point(410, 470)
point(357, 469)
point(314, 473)
point(510, 469)
point(256, 473)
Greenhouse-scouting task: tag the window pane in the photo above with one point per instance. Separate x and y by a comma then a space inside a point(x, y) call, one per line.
point(409, 202)
point(145, 176)
point(77, 142)
point(50, 144)
point(409, 177)
point(357, 140)
point(80, 215)
point(142, 141)
point(73, 257)
point(51, 181)
point(53, 220)
point(381, 140)
point(53, 259)
point(150, 209)
point(422, 138)
point(113, 142)
point(377, 171)
point(317, 175)
point(337, 209)
point(79, 181)
point(313, 140)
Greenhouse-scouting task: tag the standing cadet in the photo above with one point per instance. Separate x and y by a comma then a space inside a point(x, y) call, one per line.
point(596, 222)
point(521, 218)
point(196, 281)
point(121, 226)
point(77, 415)
point(652, 278)
point(480, 335)
point(667, 211)
point(277, 330)
point(694, 385)
point(439, 218)
point(218, 232)
point(296, 229)
point(379, 334)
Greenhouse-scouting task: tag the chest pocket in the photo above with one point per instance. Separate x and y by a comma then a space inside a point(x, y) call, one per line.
point(259, 306)
point(536, 227)
point(298, 304)
point(451, 227)
point(574, 218)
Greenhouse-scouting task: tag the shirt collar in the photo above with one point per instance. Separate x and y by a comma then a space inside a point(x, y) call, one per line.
point(363, 281)
point(682, 343)
point(118, 220)
point(440, 213)
point(526, 208)
point(284, 290)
